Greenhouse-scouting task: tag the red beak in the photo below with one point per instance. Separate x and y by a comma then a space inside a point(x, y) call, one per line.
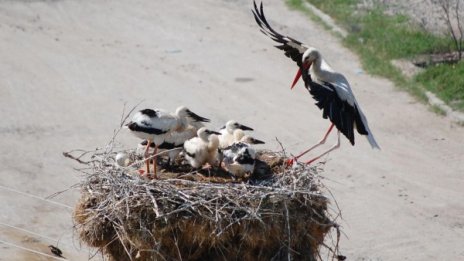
point(298, 74)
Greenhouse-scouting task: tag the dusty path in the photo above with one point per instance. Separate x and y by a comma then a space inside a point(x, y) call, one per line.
point(67, 68)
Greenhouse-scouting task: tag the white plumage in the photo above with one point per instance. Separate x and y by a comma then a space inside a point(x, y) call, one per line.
point(174, 141)
point(227, 133)
point(330, 89)
point(239, 158)
point(322, 73)
point(153, 126)
point(187, 126)
point(202, 149)
point(165, 130)
point(240, 136)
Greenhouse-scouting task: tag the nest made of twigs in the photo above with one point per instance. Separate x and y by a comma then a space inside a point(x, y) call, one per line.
point(276, 213)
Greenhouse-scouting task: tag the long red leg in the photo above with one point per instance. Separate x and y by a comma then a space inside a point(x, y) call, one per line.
point(334, 147)
point(147, 161)
point(155, 159)
point(317, 144)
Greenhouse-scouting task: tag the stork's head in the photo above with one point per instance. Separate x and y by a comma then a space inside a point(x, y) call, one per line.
point(204, 133)
point(181, 111)
point(188, 117)
point(309, 56)
point(239, 136)
point(233, 125)
point(251, 140)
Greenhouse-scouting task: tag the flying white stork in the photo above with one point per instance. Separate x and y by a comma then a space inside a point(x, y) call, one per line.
point(329, 88)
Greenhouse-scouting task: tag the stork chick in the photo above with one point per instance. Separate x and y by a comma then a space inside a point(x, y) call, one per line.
point(240, 136)
point(239, 158)
point(200, 150)
point(174, 141)
point(227, 133)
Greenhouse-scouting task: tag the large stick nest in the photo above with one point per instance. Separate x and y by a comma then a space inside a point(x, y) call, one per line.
point(277, 213)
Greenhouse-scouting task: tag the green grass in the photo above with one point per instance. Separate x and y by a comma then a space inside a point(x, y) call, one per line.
point(379, 38)
point(447, 82)
point(391, 37)
point(340, 10)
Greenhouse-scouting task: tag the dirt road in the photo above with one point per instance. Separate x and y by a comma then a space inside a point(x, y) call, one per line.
point(68, 67)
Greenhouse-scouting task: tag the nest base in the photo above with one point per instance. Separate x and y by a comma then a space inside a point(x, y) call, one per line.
point(276, 215)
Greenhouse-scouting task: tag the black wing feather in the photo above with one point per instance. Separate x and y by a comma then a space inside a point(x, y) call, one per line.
point(170, 145)
point(196, 117)
point(191, 155)
point(344, 116)
point(133, 126)
point(285, 42)
point(360, 124)
point(149, 112)
point(245, 158)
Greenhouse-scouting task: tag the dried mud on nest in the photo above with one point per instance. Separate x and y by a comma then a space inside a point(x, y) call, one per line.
point(276, 213)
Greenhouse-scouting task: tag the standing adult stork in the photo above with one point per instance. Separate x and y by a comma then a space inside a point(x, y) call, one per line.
point(174, 140)
point(153, 126)
point(329, 88)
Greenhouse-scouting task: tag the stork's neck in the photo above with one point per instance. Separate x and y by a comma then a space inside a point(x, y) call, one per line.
point(191, 129)
point(203, 136)
point(322, 70)
point(316, 67)
point(182, 122)
point(213, 143)
point(238, 134)
point(245, 139)
point(195, 124)
point(230, 130)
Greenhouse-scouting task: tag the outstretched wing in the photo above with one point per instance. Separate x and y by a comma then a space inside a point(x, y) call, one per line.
point(341, 113)
point(292, 48)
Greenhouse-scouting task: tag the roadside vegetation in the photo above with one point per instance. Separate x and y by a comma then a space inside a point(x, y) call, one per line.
point(379, 38)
